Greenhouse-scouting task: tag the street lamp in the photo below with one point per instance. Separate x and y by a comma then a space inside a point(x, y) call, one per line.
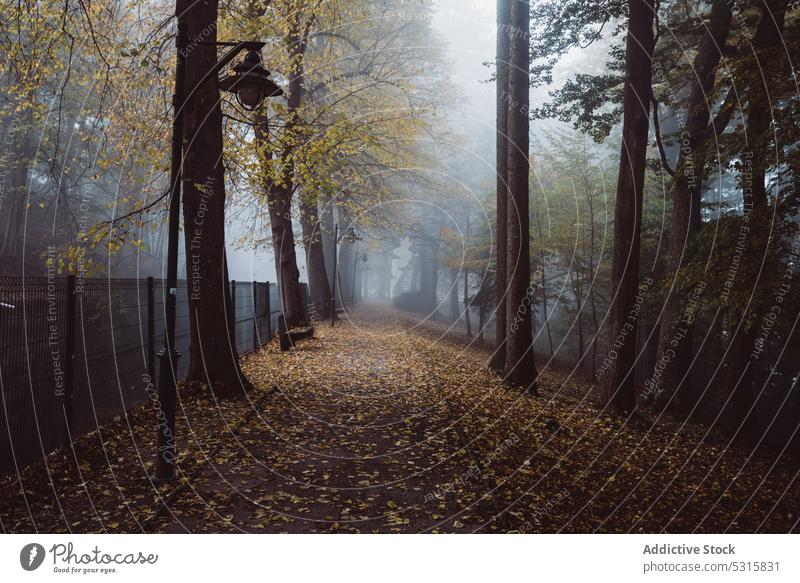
point(351, 236)
point(251, 83)
point(363, 275)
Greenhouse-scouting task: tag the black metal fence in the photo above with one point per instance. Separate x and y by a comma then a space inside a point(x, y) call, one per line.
point(75, 353)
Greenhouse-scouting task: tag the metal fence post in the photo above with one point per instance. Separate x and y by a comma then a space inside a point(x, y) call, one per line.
point(269, 312)
point(151, 330)
point(255, 316)
point(233, 299)
point(69, 361)
point(233, 314)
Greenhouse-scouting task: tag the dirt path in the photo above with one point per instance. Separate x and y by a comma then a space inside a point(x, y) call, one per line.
point(357, 438)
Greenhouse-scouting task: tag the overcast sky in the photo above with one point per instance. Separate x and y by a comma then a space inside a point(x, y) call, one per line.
point(468, 27)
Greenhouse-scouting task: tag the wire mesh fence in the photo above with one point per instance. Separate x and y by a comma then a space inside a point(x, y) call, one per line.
point(75, 352)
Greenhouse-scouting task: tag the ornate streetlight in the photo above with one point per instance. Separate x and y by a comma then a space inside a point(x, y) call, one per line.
point(251, 84)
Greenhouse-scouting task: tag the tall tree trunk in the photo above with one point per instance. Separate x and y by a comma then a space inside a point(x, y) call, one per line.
point(767, 38)
point(498, 359)
point(759, 117)
point(674, 351)
point(739, 382)
point(280, 192)
point(315, 259)
point(619, 387)
point(283, 244)
point(520, 362)
point(213, 358)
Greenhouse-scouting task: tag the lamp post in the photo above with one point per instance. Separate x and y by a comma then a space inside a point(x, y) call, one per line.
point(351, 236)
point(355, 271)
point(335, 265)
point(363, 280)
point(251, 84)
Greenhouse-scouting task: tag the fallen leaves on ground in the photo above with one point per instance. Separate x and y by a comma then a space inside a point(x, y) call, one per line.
point(383, 425)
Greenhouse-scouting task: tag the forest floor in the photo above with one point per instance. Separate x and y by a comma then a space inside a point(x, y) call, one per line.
point(383, 425)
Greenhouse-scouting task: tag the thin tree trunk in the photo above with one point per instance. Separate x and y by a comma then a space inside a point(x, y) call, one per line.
point(593, 275)
point(467, 302)
point(429, 276)
point(17, 132)
point(520, 362)
point(596, 328)
point(576, 286)
point(291, 296)
point(544, 285)
point(467, 318)
point(481, 320)
point(498, 359)
point(385, 281)
point(415, 264)
point(315, 259)
point(213, 358)
point(619, 389)
point(454, 311)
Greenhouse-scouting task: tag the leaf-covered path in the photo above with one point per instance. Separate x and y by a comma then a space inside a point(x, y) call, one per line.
point(355, 435)
point(385, 426)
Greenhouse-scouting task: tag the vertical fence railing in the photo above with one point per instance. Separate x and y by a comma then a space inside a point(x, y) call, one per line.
point(234, 301)
point(268, 306)
point(77, 352)
point(69, 357)
point(151, 329)
point(255, 313)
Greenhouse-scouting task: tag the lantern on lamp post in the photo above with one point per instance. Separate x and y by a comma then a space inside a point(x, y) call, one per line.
point(250, 82)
